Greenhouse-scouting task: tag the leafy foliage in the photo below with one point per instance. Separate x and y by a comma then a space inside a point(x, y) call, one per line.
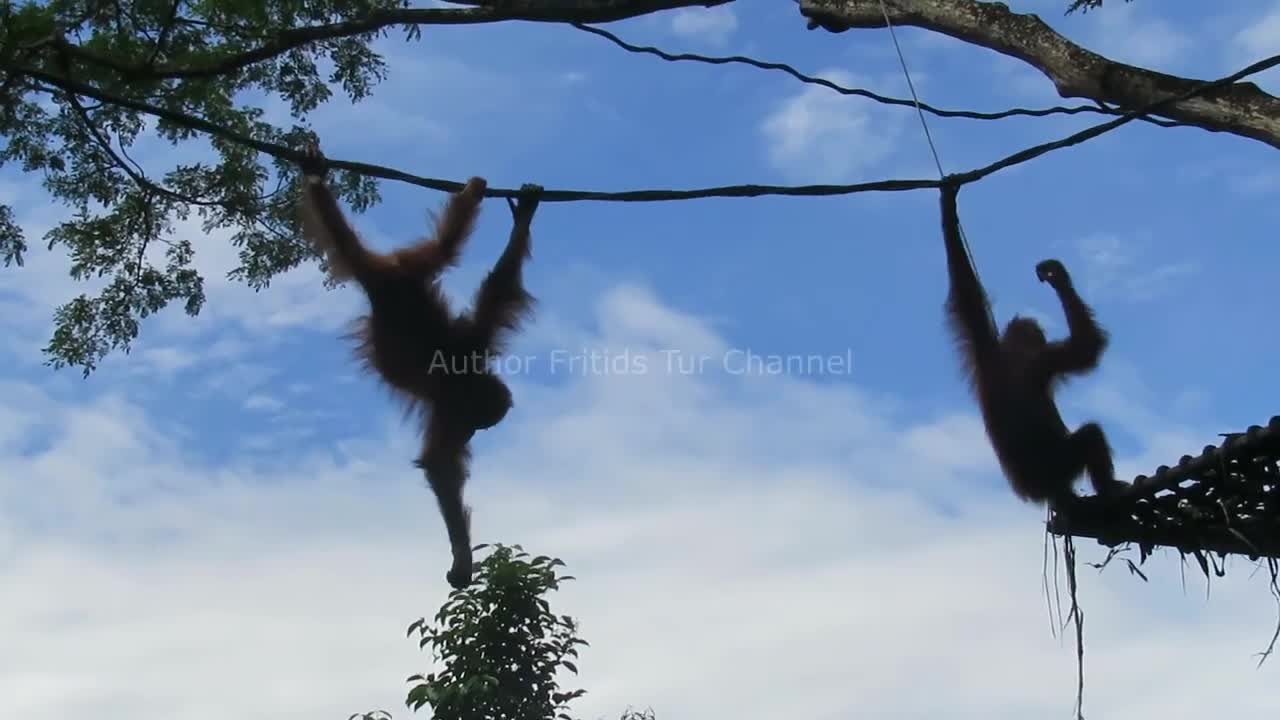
point(56, 56)
point(501, 645)
point(1085, 6)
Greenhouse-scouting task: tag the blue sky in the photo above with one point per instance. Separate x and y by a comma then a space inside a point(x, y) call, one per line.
point(233, 505)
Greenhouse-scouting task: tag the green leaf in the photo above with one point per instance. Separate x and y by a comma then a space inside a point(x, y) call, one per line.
point(500, 645)
point(119, 213)
point(417, 695)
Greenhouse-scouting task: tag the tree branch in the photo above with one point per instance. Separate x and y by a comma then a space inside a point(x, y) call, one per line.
point(589, 11)
point(1241, 109)
point(94, 132)
point(1089, 133)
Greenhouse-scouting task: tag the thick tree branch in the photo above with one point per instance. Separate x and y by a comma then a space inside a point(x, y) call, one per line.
point(1241, 109)
point(565, 11)
point(1089, 133)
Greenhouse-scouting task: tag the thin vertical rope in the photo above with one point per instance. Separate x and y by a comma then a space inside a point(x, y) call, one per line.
point(912, 87)
point(937, 161)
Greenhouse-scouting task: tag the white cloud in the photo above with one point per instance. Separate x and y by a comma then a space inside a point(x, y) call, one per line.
point(818, 135)
point(749, 533)
point(165, 360)
point(1258, 182)
point(1261, 37)
point(1132, 34)
point(263, 403)
point(712, 24)
point(1120, 267)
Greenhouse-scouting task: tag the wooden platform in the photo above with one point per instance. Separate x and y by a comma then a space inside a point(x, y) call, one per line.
point(1224, 501)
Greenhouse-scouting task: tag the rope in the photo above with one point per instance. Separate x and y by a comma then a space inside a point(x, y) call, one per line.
point(902, 60)
point(942, 175)
point(54, 84)
point(824, 82)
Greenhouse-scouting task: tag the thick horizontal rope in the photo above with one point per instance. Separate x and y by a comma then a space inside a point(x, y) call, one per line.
point(552, 195)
